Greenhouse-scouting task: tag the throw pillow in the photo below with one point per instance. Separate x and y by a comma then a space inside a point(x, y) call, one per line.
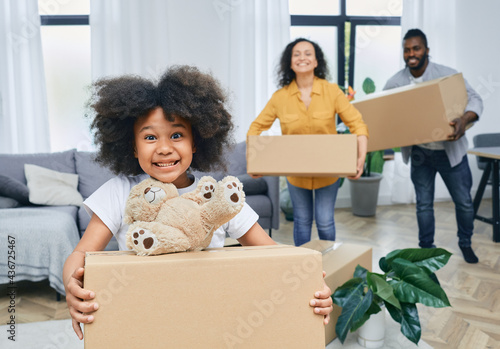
point(253, 186)
point(12, 188)
point(49, 187)
point(8, 202)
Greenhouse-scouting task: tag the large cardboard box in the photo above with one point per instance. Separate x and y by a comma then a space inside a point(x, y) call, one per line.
point(302, 155)
point(413, 114)
point(339, 262)
point(236, 297)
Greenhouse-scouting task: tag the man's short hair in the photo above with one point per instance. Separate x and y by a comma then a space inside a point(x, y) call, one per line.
point(412, 33)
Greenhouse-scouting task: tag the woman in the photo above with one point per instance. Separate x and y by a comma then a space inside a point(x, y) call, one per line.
point(307, 103)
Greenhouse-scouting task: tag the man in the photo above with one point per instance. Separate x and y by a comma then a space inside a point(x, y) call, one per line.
point(448, 158)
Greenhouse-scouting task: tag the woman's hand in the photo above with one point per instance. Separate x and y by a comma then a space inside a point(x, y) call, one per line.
point(79, 301)
point(362, 146)
point(322, 302)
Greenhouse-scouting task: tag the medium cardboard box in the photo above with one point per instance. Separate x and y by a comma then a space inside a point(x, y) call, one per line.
point(413, 114)
point(235, 297)
point(339, 262)
point(302, 155)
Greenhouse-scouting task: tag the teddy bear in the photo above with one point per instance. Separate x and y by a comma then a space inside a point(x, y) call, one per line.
point(161, 221)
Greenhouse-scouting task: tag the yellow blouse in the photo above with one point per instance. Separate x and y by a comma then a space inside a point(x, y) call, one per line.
point(327, 99)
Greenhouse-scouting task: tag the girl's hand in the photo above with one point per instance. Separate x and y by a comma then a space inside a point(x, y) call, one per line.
point(322, 302)
point(79, 302)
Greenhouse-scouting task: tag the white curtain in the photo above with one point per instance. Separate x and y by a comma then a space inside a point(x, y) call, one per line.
point(437, 19)
point(128, 37)
point(260, 30)
point(239, 42)
point(24, 124)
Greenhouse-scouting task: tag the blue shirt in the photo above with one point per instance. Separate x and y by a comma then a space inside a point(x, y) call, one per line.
point(455, 150)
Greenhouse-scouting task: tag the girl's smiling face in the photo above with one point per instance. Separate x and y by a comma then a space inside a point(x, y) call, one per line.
point(164, 148)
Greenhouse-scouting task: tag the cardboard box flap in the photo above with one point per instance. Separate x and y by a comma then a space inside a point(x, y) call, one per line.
point(410, 87)
point(234, 253)
point(339, 262)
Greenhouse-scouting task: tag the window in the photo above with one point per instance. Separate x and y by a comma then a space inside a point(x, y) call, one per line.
point(65, 34)
point(361, 38)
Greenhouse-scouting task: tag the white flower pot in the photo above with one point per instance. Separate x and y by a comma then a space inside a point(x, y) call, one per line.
point(372, 333)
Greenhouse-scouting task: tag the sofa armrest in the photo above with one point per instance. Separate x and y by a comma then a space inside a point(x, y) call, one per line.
point(273, 191)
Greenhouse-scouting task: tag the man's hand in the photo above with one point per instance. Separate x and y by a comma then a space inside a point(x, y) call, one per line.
point(460, 124)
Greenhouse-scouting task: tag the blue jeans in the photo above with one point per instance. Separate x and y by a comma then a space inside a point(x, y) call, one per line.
point(424, 166)
point(320, 201)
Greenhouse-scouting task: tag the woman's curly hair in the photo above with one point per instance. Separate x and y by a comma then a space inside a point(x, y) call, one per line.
point(285, 73)
point(184, 91)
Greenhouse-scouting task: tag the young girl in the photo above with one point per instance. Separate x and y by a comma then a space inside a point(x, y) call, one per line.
point(143, 129)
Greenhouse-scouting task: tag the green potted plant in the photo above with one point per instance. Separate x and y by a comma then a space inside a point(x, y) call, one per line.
point(364, 191)
point(408, 278)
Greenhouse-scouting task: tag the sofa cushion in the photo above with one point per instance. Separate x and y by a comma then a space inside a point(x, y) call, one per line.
point(14, 189)
point(8, 202)
point(12, 165)
point(261, 204)
point(253, 186)
point(91, 174)
point(235, 160)
point(49, 187)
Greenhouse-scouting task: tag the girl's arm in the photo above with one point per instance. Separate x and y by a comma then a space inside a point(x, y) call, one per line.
point(256, 236)
point(322, 303)
point(79, 300)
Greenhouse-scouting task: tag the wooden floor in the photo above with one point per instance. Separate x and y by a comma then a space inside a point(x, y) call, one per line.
point(473, 321)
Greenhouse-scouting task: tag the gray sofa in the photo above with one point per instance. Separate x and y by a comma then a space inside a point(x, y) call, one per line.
point(45, 235)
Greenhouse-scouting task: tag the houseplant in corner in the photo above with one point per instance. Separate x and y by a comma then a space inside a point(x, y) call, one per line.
point(364, 191)
point(408, 278)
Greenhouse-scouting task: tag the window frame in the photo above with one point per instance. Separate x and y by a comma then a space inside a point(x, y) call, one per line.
point(64, 20)
point(340, 21)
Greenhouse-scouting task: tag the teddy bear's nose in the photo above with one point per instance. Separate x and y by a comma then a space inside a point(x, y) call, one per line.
point(146, 190)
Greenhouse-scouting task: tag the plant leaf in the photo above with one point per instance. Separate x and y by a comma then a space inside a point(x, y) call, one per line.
point(373, 309)
point(415, 286)
point(360, 272)
point(407, 316)
point(383, 265)
point(430, 259)
point(382, 289)
point(354, 304)
point(342, 293)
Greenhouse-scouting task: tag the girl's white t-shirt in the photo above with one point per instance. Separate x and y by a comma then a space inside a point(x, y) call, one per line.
point(108, 203)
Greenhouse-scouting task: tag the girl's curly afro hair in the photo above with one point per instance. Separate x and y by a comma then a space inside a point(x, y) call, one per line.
point(182, 91)
point(198, 98)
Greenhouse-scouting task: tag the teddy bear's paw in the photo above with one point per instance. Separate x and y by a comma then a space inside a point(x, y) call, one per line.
point(233, 190)
point(144, 241)
point(154, 195)
point(207, 187)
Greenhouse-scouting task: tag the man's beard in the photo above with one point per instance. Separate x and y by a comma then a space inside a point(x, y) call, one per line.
point(420, 64)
